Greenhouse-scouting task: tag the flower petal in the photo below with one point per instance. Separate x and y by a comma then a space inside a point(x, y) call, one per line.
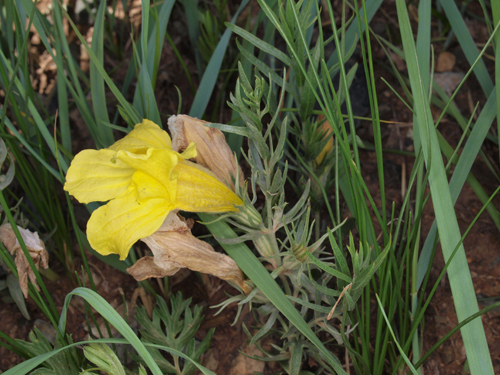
point(97, 176)
point(190, 152)
point(115, 227)
point(156, 163)
point(145, 135)
point(198, 191)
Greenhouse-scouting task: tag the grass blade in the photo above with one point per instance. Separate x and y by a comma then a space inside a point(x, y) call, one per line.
point(97, 82)
point(110, 314)
point(211, 74)
point(462, 289)
point(25, 367)
point(467, 43)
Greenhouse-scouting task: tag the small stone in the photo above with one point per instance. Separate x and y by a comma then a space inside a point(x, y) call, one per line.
point(445, 62)
point(47, 330)
point(449, 81)
point(244, 365)
point(398, 61)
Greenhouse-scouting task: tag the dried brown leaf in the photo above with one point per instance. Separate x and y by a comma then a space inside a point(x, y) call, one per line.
point(36, 249)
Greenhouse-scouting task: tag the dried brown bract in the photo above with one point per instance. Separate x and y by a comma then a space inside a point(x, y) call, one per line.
point(213, 151)
point(174, 247)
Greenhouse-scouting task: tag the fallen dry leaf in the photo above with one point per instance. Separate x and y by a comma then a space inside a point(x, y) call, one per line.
point(146, 268)
point(36, 249)
point(243, 365)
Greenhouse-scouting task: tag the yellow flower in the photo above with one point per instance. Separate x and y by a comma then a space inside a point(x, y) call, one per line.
point(143, 179)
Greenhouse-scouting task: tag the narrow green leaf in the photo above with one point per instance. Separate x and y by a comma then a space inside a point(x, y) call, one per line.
point(26, 366)
point(110, 314)
point(259, 43)
point(326, 268)
point(467, 43)
point(464, 296)
point(462, 169)
point(211, 74)
point(17, 294)
point(395, 340)
point(192, 17)
point(97, 91)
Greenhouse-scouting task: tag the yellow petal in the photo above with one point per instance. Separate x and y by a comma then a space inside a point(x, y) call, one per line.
point(97, 176)
point(156, 163)
point(198, 191)
point(145, 135)
point(115, 227)
point(148, 187)
point(190, 152)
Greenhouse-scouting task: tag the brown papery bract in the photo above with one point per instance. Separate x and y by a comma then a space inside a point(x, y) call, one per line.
point(213, 151)
point(174, 247)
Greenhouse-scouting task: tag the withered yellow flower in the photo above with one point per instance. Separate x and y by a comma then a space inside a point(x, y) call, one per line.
point(143, 179)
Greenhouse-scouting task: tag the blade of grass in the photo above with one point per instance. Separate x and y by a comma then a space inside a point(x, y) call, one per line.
point(130, 111)
point(110, 314)
point(453, 331)
point(25, 367)
point(401, 352)
point(423, 46)
point(462, 169)
point(211, 73)
point(192, 17)
point(352, 34)
point(467, 43)
point(422, 310)
point(495, 10)
point(464, 296)
point(97, 91)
